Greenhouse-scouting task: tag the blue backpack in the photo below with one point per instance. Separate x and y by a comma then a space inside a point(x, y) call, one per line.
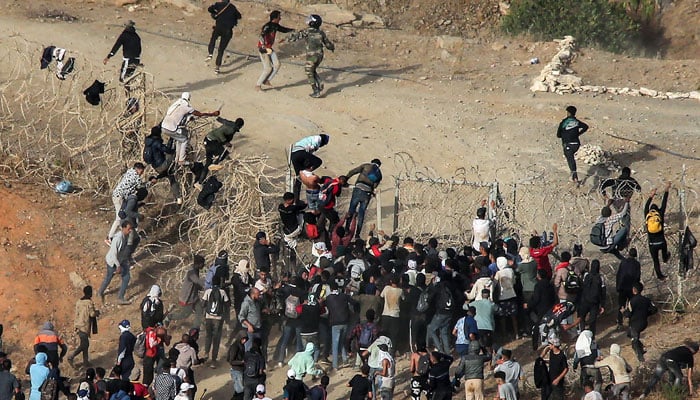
point(375, 175)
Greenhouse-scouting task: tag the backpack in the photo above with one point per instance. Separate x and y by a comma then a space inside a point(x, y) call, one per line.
point(591, 289)
point(215, 303)
point(140, 345)
point(465, 328)
point(49, 389)
point(423, 365)
point(209, 277)
point(654, 223)
point(375, 175)
point(445, 300)
point(366, 335)
point(541, 373)
point(423, 301)
point(325, 193)
point(653, 309)
point(253, 364)
point(572, 283)
point(148, 155)
point(598, 236)
point(290, 306)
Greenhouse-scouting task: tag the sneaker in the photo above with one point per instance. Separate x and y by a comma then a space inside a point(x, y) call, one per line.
point(280, 365)
point(215, 167)
point(217, 70)
point(198, 186)
point(209, 57)
point(212, 364)
point(315, 94)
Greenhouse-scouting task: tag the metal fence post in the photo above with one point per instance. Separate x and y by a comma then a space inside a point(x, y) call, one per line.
point(396, 205)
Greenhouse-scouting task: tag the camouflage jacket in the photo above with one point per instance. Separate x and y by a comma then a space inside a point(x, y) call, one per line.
point(316, 39)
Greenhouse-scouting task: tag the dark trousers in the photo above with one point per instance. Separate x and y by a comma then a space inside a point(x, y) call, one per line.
point(324, 337)
point(545, 391)
point(663, 366)
point(149, 365)
point(654, 249)
point(300, 159)
point(358, 202)
point(570, 150)
point(622, 298)
point(637, 345)
point(225, 35)
point(83, 347)
point(212, 340)
point(391, 328)
point(557, 392)
point(589, 315)
point(215, 152)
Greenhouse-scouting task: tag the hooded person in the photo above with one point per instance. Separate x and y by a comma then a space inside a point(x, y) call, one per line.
point(38, 373)
point(130, 42)
point(241, 282)
point(48, 337)
point(303, 362)
point(586, 355)
point(125, 351)
point(152, 312)
point(620, 371)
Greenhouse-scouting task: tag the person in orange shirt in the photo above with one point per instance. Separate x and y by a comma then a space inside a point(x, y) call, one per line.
point(48, 337)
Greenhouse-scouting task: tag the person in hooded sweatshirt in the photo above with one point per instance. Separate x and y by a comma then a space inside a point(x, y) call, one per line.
point(620, 372)
point(508, 301)
point(439, 376)
point(162, 156)
point(152, 308)
point(38, 373)
point(130, 42)
point(585, 356)
point(125, 352)
point(48, 337)
point(592, 300)
point(303, 362)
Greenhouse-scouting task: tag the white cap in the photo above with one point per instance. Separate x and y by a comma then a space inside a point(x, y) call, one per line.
point(184, 386)
point(260, 389)
point(186, 96)
point(291, 374)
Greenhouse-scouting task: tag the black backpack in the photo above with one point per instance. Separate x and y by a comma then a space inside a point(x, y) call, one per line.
point(215, 303)
point(572, 283)
point(445, 302)
point(598, 236)
point(423, 365)
point(253, 364)
point(541, 373)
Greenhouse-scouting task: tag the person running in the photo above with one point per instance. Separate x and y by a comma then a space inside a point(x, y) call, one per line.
point(673, 361)
point(189, 300)
point(316, 40)
point(130, 42)
point(127, 185)
point(369, 175)
point(226, 16)
point(270, 62)
point(85, 317)
point(655, 230)
point(117, 260)
point(174, 124)
point(570, 128)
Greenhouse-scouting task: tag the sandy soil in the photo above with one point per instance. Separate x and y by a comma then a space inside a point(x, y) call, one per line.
point(388, 92)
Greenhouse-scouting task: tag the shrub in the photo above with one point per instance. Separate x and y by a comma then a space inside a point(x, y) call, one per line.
point(601, 23)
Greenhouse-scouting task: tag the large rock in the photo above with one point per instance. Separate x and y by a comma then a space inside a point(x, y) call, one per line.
point(331, 13)
point(372, 20)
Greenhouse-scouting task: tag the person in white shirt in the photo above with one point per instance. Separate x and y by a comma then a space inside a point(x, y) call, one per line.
point(175, 124)
point(590, 393)
point(481, 226)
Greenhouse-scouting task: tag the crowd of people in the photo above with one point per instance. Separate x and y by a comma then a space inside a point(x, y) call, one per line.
point(367, 298)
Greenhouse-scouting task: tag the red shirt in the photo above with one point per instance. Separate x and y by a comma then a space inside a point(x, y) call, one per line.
point(541, 256)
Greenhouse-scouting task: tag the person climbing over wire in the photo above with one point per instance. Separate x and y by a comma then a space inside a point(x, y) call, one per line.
point(316, 40)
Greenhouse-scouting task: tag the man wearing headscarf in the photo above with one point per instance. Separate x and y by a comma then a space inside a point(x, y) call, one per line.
point(620, 372)
point(175, 124)
point(152, 308)
point(85, 317)
point(585, 356)
point(125, 351)
point(241, 282)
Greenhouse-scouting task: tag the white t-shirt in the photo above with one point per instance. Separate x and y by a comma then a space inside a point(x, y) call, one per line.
point(593, 395)
point(392, 300)
point(480, 230)
point(176, 114)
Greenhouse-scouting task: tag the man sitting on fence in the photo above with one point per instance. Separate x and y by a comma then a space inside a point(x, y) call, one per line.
point(610, 230)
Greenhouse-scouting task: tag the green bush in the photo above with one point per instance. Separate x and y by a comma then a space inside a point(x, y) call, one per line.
point(601, 23)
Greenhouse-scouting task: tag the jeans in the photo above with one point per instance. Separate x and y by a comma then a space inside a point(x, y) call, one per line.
point(298, 159)
point(338, 333)
point(664, 365)
point(126, 277)
point(654, 249)
point(441, 323)
point(285, 337)
point(237, 379)
point(360, 199)
point(117, 201)
point(570, 150)
point(226, 35)
point(82, 347)
point(589, 316)
point(271, 64)
point(212, 330)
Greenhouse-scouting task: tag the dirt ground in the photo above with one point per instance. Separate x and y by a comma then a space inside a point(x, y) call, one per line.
point(388, 91)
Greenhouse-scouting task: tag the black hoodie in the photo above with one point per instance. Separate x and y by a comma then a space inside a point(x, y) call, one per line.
point(131, 43)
